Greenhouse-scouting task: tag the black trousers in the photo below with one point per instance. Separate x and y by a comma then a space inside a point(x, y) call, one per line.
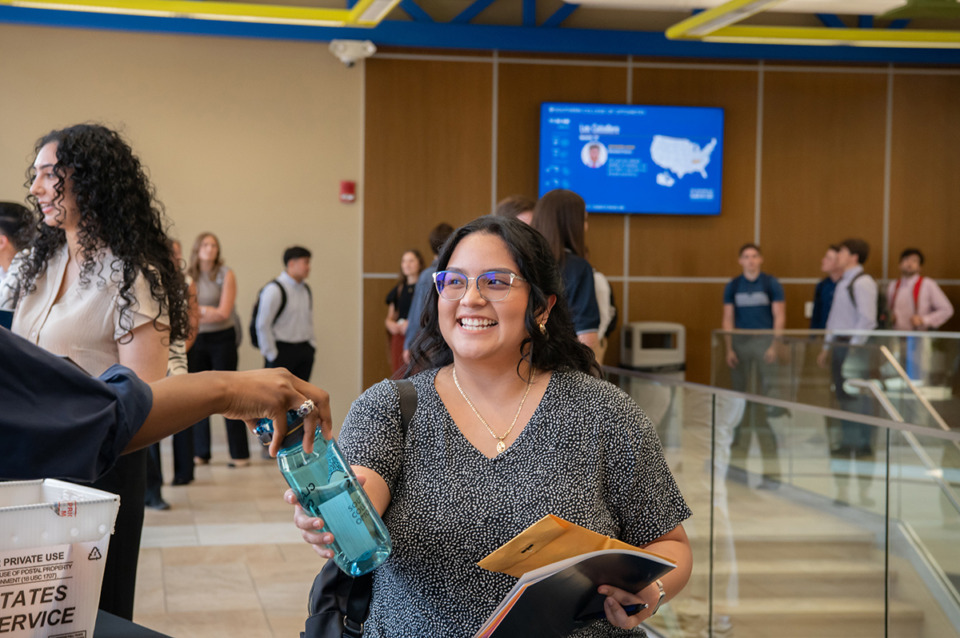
point(295, 357)
point(154, 474)
point(128, 479)
point(852, 437)
point(216, 351)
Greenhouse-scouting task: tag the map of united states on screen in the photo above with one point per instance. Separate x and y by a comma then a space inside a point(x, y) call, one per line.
point(681, 155)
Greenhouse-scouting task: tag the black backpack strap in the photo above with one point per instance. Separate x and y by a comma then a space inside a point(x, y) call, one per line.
point(358, 606)
point(853, 297)
point(408, 401)
point(283, 300)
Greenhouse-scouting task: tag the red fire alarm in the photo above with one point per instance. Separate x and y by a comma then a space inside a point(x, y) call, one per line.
point(348, 192)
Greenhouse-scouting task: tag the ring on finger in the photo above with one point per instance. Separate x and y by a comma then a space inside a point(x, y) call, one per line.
point(305, 408)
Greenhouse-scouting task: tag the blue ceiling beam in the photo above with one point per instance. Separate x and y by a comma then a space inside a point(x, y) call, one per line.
point(487, 38)
point(529, 13)
point(831, 20)
point(865, 22)
point(415, 11)
point(899, 24)
point(352, 3)
point(472, 11)
point(560, 15)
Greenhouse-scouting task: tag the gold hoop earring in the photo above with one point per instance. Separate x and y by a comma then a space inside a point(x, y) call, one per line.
point(543, 329)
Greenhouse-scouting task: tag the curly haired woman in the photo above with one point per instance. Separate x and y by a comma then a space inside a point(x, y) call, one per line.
point(99, 286)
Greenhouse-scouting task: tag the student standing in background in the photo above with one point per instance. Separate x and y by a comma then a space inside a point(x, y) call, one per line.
point(754, 301)
point(823, 294)
point(399, 300)
point(17, 227)
point(285, 317)
point(216, 344)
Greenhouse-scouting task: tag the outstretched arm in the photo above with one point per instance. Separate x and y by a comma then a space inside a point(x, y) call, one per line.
point(179, 401)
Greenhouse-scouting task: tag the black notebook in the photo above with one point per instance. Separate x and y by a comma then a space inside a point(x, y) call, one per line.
point(559, 598)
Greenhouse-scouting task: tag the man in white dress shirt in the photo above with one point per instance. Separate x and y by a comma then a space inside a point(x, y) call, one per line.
point(284, 320)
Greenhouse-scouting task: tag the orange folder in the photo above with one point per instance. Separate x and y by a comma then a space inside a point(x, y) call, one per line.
point(547, 541)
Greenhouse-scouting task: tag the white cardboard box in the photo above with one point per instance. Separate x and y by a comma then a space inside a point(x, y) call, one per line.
point(53, 546)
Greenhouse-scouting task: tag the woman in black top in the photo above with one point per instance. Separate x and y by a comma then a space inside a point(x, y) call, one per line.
point(398, 305)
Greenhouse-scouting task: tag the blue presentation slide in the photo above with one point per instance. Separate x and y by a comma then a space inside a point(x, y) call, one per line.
point(634, 159)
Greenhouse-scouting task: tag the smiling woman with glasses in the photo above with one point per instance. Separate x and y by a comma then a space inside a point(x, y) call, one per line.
point(512, 423)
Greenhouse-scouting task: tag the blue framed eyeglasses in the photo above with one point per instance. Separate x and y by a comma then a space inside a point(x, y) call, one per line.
point(492, 286)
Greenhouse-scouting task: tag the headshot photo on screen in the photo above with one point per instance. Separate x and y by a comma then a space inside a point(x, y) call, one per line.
point(593, 154)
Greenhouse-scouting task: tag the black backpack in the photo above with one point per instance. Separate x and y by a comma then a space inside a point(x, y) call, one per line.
point(883, 312)
point(283, 304)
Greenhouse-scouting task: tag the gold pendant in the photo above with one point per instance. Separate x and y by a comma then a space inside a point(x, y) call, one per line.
point(501, 446)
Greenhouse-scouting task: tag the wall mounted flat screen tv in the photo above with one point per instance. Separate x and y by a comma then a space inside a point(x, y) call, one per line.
point(634, 159)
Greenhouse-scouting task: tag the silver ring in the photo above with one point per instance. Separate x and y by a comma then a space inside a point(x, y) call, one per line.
point(305, 408)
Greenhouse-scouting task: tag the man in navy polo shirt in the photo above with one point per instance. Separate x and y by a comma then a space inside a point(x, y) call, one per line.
point(753, 301)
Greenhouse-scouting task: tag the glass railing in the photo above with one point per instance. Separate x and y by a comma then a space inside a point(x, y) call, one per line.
point(805, 366)
point(795, 537)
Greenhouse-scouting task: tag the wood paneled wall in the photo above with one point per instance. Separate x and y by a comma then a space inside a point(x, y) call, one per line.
point(812, 155)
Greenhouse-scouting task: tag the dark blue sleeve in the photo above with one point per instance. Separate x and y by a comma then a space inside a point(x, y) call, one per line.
point(777, 289)
point(420, 295)
point(728, 293)
point(59, 422)
point(581, 294)
point(817, 320)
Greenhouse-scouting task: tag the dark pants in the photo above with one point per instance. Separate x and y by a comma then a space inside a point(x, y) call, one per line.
point(295, 357)
point(128, 479)
point(851, 444)
point(154, 475)
point(751, 366)
point(848, 436)
point(183, 456)
point(217, 351)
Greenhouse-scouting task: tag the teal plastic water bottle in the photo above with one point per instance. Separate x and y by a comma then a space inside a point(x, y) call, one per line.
point(327, 487)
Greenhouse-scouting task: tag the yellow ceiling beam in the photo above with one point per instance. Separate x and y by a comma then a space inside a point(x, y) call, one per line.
point(364, 13)
point(837, 37)
point(719, 25)
point(718, 17)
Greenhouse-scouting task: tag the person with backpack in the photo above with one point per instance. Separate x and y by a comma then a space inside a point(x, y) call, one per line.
point(916, 302)
point(854, 308)
point(754, 301)
point(282, 325)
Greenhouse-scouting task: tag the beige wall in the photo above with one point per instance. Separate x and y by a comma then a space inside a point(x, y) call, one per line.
point(245, 138)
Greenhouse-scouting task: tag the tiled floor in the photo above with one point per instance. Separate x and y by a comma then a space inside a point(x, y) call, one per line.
point(225, 560)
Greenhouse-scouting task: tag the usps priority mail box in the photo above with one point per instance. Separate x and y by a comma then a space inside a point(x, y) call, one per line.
point(53, 546)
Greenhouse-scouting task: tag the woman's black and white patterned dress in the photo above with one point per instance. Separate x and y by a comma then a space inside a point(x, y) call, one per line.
point(588, 455)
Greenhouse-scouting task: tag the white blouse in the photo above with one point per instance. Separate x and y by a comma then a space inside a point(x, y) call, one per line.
point(85, 323)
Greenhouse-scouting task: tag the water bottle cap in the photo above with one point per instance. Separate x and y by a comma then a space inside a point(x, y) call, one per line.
point(294, 436)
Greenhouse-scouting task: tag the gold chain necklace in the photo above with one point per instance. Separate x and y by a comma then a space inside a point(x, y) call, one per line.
point(501, 446)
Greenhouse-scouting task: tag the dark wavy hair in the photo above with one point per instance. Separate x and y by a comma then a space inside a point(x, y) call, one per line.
point(558, 349)
point(18, 223)
point(118, 211)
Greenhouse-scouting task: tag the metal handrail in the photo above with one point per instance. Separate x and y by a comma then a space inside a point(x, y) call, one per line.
point(933, 470)
point(794, 332)
point(865, 419)
point(892, 360)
